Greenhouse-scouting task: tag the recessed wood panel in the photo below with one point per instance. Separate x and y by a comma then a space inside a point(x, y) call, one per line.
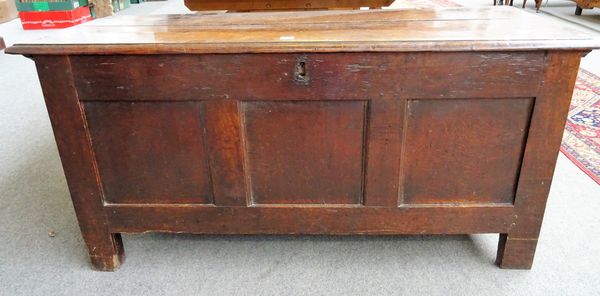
point(150, 152)
point(305, 152)
point(464, 150)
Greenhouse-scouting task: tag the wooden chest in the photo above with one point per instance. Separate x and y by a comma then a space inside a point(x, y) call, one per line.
point(335, 122)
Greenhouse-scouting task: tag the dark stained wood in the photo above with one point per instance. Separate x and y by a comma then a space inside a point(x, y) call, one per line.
point(384, 146)
point(544, 139)
point(516, 253)
point(150, 152)
point(258, 5)
point(479, 160)
point(543, 143)
point(444, 124)
point(337, 220)
point(312, 155)
point(328, 31)
point(420, 75)
point(223, 133)
point(73, 141)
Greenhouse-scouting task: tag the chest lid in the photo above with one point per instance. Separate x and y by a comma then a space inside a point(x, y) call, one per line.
point(456, 29)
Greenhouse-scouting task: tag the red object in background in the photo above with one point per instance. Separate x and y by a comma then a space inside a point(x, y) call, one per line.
point(32, 20)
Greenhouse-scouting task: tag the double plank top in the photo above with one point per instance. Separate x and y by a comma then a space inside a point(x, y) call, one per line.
point(456, 29)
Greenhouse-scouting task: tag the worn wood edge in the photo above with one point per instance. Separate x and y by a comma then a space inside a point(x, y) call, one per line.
point(308, 221)
point(515, 253)
point(331, 206)
point(533, 188)
point(112, 262)
point(289, 47)
point(72, 138)
point(516, 249)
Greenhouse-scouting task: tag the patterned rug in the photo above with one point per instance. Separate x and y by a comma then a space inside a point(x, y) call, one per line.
point(581, 139)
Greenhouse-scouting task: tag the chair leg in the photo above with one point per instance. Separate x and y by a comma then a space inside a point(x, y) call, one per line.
point(578, 10)
point(524, 2)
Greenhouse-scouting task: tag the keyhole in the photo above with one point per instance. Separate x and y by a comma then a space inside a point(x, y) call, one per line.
point(301, 70)
point(300, 75)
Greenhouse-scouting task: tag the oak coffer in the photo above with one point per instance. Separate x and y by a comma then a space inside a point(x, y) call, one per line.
point(327, 122)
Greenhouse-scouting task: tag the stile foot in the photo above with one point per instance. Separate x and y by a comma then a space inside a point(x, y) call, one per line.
point(515, 253)
point(111, 261)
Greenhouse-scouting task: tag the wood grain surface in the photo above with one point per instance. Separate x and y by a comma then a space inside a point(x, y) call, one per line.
point(328, 76)
point(458, 29)
point(378, 122)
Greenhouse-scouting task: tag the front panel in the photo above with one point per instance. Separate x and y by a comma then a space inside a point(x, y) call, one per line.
point(463, 150)
point(384, 130)
point(304, 152)
point(150, 152)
